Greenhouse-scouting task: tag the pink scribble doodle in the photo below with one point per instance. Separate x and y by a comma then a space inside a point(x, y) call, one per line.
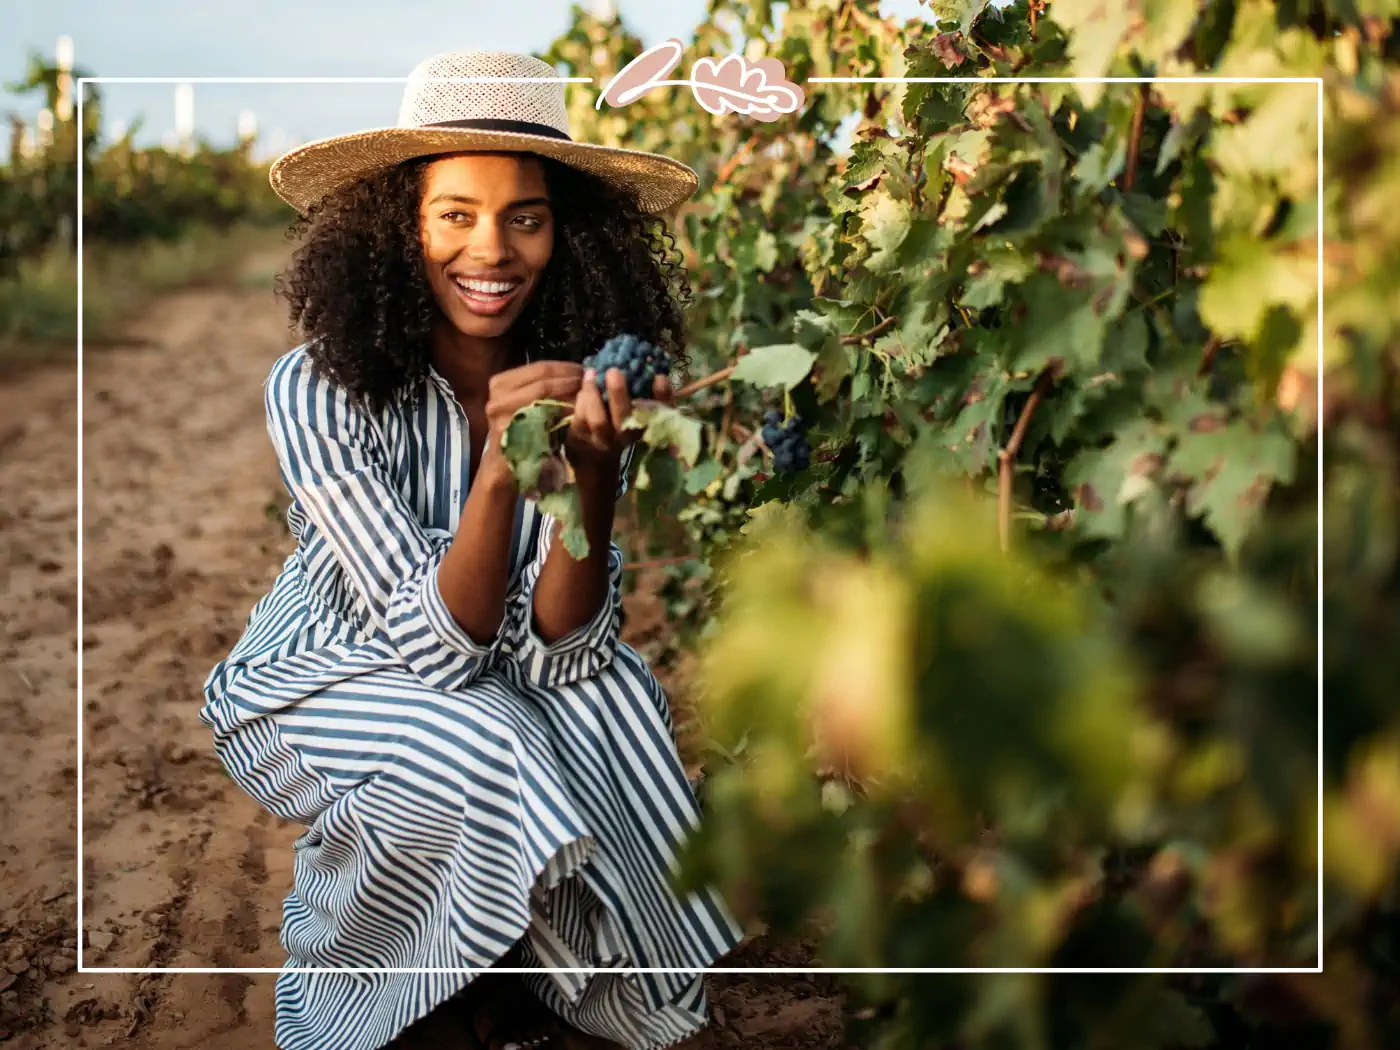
point(732, 85)
point(760, 90)
point(643, 73)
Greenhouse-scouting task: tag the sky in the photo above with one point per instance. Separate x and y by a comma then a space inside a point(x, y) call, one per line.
point(282, 38)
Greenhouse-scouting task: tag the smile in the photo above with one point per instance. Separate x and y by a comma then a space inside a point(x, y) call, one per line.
point(486, 297)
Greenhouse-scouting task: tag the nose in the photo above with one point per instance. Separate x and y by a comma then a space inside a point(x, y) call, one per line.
point(488, 244)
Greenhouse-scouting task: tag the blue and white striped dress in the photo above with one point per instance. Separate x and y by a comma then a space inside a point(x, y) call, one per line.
point(459, 797)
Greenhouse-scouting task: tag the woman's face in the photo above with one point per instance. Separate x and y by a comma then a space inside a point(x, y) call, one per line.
point(487, 235)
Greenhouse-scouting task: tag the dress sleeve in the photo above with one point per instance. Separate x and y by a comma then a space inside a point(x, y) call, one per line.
point(333, 465)
point(587, 649)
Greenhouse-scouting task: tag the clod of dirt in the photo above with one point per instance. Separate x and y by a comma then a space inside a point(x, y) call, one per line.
point(90, 1011)
point(177, 754)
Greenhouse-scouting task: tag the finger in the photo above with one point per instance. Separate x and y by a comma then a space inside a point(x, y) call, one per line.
point(564, 388)
point(515, 378)
point(595, 414)
point(579, 428)
point(511, 401)
point(619, 400)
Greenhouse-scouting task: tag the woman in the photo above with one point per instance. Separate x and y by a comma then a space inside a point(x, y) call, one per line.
point(433, 685)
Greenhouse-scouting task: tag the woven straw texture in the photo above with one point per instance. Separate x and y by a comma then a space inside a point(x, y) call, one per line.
point(428, 101)
point(304, 175)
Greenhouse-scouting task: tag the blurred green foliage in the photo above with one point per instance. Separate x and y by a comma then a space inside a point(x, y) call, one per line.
point(980, 699)
point(130, 194)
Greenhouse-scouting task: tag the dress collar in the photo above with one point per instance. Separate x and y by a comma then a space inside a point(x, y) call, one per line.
point(409, 393)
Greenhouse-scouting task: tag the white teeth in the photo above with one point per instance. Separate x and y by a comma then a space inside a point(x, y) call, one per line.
point(486, 287)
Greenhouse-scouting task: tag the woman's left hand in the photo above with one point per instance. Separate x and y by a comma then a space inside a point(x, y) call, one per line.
point(596, 432)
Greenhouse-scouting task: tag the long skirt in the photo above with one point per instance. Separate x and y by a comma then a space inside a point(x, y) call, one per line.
point(446, 826)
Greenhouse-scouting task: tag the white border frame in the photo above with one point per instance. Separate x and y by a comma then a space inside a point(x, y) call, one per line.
point(79, 893)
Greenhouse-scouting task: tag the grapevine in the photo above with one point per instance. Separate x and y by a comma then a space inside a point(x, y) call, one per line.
point(1047, 593)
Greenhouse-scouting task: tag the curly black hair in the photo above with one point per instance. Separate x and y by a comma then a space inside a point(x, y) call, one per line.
point(359, 293)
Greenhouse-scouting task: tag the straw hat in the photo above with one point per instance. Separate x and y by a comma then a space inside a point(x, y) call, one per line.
point(501, 109)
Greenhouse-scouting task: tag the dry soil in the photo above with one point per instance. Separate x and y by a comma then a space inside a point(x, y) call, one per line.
point(181, 533)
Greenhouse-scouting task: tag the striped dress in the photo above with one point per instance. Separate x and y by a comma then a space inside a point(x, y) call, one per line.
point(459, 797)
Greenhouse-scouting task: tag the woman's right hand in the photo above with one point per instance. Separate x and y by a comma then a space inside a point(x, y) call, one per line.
point(513, 388)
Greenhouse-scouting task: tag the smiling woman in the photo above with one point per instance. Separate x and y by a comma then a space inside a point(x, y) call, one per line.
point(587, 260)
point(434, 686)
point(488, 234)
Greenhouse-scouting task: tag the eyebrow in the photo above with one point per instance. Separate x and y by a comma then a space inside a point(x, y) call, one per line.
point(458, 198)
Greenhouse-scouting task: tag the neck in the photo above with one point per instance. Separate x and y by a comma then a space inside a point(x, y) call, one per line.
point(468, 362)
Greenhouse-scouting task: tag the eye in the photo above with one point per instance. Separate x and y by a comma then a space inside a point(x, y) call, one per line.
point(454, 216)
point(529, 222)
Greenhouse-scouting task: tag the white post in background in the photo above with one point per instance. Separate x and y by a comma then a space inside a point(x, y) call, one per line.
point(45, 125)
point(274, 144)
point(63, 58)
point(247, 133)
point(184, 117)
point(118, 130)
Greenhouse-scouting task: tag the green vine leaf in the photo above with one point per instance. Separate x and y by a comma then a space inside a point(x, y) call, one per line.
point(567, 509)
point(664, 427)
point(528, 444)
point(1231, 468)
point(778, 365)
point(885, 224)
point(1106, 481)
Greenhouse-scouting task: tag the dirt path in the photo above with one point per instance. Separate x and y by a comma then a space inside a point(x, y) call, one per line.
point(181, 534)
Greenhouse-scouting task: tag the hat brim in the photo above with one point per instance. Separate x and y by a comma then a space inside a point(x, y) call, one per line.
point(304, 175)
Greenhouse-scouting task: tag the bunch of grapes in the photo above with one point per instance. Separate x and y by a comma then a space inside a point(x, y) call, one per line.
point(787, 441)
point(635, 358)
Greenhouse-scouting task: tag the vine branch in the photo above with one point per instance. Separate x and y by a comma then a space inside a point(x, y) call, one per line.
point(1007, 456)
point(709, 380)
point(740, 155)
point(1135, 139)
point(869, 333)
point(1208, 355)
point(723, 434)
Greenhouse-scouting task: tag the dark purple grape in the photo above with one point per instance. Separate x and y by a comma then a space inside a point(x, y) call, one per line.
point(639, 361)
point(787, 442)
